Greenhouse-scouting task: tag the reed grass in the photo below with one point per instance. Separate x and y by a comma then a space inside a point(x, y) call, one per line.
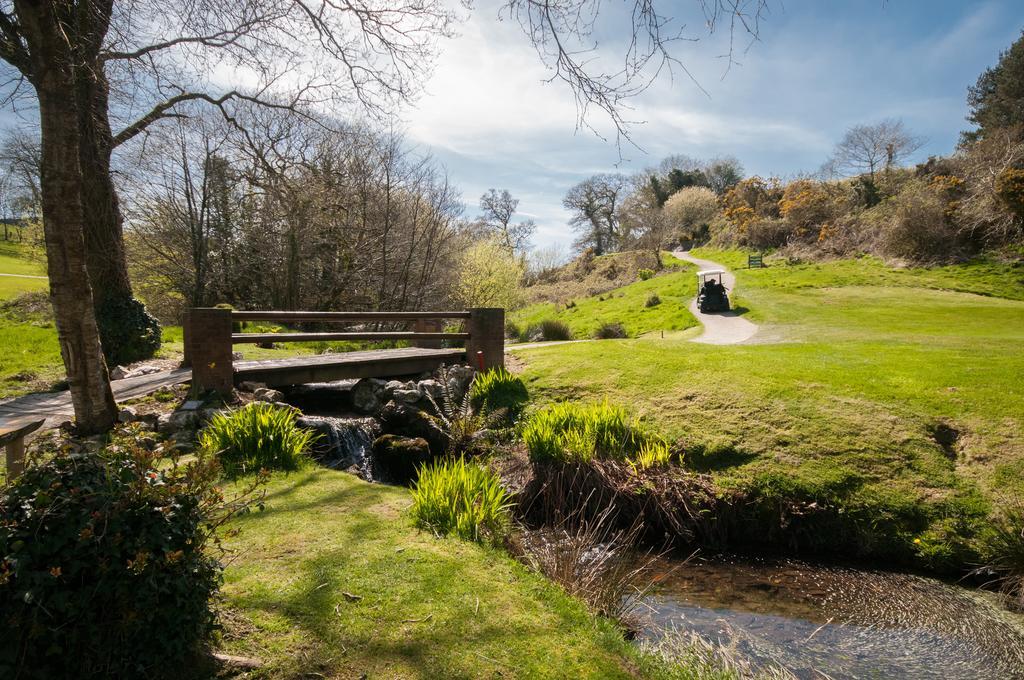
point(570, 432)
point(467, 500)
point(258, 436)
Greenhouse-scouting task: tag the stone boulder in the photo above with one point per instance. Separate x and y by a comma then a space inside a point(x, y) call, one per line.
point(267, 394)
point(397, 459)
point(170, 423)
point(368, 395)
point(407, 421)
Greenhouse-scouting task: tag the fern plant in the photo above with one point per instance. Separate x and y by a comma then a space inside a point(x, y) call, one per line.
point(461, 424)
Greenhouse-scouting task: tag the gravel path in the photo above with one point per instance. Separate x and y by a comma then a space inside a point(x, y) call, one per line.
point(720, 328)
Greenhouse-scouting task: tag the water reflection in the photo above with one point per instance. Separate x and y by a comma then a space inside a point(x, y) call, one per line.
point(838, 621)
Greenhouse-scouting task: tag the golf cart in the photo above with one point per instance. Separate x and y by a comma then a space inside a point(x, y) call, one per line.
point(712, 294)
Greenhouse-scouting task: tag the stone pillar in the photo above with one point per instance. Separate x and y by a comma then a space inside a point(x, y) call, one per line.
point(428, 326)
point(486, 328)
point(208, 348)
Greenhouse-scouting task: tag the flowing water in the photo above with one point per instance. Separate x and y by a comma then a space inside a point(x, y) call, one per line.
point(344, 442)
point(836, 622)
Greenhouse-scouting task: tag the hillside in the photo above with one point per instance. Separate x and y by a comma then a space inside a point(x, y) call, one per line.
point(886, 390)
point(587, 293)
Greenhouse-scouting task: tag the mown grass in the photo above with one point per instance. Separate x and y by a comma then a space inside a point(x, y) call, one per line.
point(845, 393)
point(333, 580)
point(22, 258)
point(626, 305)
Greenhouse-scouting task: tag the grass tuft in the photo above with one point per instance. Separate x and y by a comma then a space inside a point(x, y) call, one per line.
point(498, 391)
point(570, 432)
point(460, 498)
point(258, 436)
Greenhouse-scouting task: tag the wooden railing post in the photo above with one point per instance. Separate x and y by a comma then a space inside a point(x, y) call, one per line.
point(208, 348)
point(429, 326)
point(486, 328)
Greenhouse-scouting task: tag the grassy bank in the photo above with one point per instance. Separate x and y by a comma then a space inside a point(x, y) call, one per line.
point(898, 401)
point(627, 305)
point(332, 580)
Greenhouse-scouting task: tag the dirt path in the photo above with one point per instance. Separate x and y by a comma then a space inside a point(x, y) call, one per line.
point(24, 276)
point(55, 407)
point(720, 328)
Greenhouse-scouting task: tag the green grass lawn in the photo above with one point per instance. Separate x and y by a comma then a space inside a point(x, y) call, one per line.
point(855, 369)
point(626, 305)
point(332, 580)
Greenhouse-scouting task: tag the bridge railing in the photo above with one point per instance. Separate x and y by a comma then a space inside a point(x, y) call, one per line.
point(209, 335)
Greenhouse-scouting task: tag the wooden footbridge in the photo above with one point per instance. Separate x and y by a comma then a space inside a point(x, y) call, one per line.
point(209, 339)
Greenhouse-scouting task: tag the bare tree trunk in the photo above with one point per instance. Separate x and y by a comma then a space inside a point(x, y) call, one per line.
point(70, 292)
point(127, 331)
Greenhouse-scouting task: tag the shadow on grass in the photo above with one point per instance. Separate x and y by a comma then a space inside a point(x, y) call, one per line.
point(713, 458)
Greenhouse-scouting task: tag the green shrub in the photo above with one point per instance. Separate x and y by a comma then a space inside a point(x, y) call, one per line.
point(512, 331)
point(645, 274)
point(258, 436)
point(460, 498)
point(610, 331)
point(104, 570)
point(550, 330)
point(498, 391)
point(570, 432)
point(129, 333)
point(653, 301)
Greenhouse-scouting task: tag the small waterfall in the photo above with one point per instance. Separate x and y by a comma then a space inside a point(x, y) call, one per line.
point(344, 442)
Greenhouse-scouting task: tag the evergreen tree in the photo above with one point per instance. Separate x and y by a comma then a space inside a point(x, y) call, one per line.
point(997, 99)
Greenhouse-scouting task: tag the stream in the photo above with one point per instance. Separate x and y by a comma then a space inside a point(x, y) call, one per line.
point(835, 622)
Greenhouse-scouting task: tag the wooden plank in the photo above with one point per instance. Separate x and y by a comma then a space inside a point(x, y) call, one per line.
point(327, 367)
point(12, 430)
point(346, 316)
point(12, 436)
point(242, 338)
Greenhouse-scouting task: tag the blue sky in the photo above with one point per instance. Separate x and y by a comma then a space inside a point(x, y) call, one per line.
point(819, 68)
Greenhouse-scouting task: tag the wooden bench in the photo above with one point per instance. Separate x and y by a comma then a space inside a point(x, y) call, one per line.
point(755, 261)
point(12, 436)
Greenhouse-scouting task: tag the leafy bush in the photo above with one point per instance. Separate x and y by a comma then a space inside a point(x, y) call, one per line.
point(104, 570)
point(690, 210)
point(1010, 189)
point(652, 301)
point(919, 228)
point(129, 333)
point(550, 330)
point(512, 331)
point(258, 436)
point(645, 274)
point(460, 498)
point(570, 432)
point(610, 331)
point(766, 233)
point(498, 391)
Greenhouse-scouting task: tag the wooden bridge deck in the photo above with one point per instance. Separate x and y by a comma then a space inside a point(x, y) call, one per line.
point(55, 407)
point(379, 363)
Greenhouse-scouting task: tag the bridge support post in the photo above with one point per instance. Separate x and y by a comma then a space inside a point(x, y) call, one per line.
point(486, 328)
point(208, 348)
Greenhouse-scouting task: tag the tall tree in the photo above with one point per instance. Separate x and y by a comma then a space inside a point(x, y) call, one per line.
point(499, 207)
point(42, 42)
point(595, 206)
point(997, 99)
point(869, 148)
